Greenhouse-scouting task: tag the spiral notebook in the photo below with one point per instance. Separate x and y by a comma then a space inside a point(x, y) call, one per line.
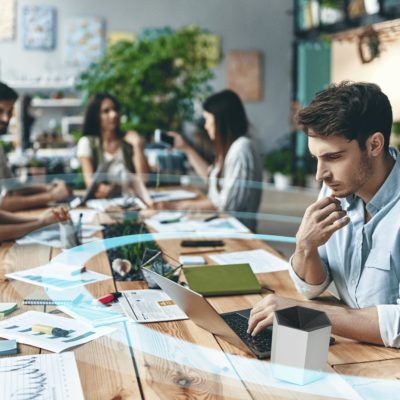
point(219, 280)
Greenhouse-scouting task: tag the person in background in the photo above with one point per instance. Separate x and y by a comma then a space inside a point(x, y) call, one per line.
point(12, 226)
point(104, 141)
point(351, 234)
point(235, 176)
point(14, 196)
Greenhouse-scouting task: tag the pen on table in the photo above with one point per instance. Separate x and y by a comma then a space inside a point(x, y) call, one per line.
point(208, 219)
point(213, 250)
point(78, 271)
point(79, 228)
point(50, 330)
point(170, 221)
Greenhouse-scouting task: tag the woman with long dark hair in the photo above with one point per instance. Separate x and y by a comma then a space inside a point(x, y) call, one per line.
point(104, 141)
point(232, 179)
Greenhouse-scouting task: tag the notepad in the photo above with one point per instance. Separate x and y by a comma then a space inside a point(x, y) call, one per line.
point(216, 280)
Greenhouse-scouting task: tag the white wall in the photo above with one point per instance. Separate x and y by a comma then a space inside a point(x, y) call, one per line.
point(264, 25)
point(383, 71)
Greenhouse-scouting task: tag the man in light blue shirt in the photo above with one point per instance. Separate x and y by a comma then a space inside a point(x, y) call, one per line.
point(351, 234)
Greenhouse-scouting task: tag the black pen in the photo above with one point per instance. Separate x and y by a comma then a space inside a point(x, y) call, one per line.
point(215, 216)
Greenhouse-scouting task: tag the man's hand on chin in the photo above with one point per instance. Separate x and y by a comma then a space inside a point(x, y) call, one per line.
point(262, 314)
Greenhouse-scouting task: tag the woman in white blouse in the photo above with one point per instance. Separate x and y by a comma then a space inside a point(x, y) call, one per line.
point(103, 141)
point(234, 178)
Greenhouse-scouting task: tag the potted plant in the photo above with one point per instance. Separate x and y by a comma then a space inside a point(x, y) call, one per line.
point(279, 164)
point(395, 139)
point(331, 11)
point(156, 78)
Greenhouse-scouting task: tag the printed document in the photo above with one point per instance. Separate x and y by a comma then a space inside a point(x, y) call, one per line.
point(150, 305)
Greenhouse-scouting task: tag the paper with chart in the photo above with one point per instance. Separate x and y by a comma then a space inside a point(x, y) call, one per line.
point(20, 329)
point(150, 305)
point(94, 314)
point(40, 377)
point(260, 260)
point(185, 224)
point(58, 276)
point(50, 236)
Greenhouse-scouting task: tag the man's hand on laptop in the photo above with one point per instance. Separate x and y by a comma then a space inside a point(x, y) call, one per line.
point(262, 314)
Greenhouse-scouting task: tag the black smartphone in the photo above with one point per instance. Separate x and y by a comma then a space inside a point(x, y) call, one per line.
point(163, 137)
point(202, 243)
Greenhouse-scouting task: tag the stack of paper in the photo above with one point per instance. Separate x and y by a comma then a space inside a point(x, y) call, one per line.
point(7, 308)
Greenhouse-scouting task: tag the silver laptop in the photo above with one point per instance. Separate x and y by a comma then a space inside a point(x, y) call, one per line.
point(230, 326)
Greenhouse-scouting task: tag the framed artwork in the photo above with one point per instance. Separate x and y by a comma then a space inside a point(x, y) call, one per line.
point(85, 41)
point(244, 74)
point(115, 37)
point(39, 27)
point(7, 19)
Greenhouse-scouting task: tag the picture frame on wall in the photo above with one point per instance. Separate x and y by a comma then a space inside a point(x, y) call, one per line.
point(85, 41)
point(39, 27)
point(244, 74)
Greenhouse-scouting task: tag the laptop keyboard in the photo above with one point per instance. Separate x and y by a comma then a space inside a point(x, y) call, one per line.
point(261, 343)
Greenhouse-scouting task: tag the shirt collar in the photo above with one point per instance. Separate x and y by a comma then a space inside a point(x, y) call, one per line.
point(387, 192)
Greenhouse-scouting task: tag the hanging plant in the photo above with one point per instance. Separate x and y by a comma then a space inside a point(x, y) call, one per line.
point(369, 45)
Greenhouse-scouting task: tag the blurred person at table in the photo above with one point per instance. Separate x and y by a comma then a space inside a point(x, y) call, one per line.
point(104, 141)
point(235, 176)
point(13, 195)
point(13, 226)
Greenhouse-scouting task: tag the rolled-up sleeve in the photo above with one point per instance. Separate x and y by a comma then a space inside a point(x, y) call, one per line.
point(307, 290)
point(389, 324)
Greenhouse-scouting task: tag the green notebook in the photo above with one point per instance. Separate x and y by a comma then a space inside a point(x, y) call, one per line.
point(217, 280)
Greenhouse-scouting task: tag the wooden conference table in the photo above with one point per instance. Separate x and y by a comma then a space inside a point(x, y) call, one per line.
point(114, 367)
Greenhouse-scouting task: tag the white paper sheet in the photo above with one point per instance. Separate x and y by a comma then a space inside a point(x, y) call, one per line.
point(40, 377)
point(150, 305)
point(58, 276)
point(172, 195)
point(20, 329)
point(227, 225)
point(260, 260)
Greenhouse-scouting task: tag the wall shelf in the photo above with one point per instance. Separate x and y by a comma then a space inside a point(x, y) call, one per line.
point(65, 102)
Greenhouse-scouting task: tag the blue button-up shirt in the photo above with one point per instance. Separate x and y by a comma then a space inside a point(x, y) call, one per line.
point(363, 259)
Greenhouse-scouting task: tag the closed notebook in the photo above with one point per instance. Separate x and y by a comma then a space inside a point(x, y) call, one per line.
point(216, 280)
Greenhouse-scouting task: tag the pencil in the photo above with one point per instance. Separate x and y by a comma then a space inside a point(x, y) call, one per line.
point(201, 251)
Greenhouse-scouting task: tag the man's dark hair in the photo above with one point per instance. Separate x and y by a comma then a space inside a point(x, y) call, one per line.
point(353, 110)
point(6, 93)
